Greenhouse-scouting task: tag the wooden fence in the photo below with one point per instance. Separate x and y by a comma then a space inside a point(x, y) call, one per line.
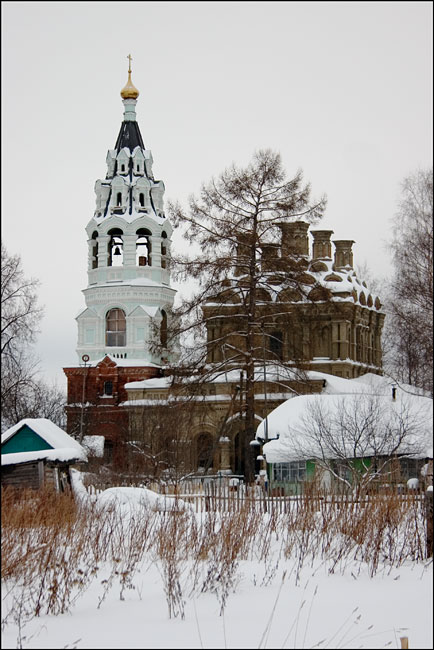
point(232, 495)
point(219, 498)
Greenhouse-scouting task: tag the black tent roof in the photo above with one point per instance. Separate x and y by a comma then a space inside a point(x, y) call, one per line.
point(129, 136)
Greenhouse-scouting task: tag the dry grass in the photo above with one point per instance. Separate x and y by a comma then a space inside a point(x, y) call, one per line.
point(53, 548)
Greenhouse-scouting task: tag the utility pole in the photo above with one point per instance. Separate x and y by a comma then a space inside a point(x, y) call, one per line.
point(85, 359)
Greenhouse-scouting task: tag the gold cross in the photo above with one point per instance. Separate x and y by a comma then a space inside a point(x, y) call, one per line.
point(130, 59)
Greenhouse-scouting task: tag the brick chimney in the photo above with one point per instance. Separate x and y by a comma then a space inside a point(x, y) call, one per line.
point(270, 257)
point(294, 238)
point(243, 253)
point(343, 254)
point(322, 246)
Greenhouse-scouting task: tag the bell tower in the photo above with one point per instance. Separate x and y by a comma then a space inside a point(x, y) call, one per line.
point(128, 293)
point(122, 329)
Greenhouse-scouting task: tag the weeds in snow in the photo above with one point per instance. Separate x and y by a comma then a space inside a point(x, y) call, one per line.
point(53, 548)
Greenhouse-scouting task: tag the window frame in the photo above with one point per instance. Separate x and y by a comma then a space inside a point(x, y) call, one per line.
point(116, 317)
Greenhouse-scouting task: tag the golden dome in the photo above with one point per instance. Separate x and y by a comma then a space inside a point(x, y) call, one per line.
point(129, 91)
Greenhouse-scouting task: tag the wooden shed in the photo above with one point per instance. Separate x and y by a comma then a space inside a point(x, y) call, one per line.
point(36, 453)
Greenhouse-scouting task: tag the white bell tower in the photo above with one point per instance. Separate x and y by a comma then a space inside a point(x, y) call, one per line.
point(128, 297)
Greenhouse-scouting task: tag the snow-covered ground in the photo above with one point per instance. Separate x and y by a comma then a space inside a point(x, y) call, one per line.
point(271, 603)
point(349, 611)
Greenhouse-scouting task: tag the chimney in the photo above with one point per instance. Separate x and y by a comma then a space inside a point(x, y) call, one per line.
point(270, 257)
point(295, 241)
point(243, 253)
point(322, 246)
point(343, 254)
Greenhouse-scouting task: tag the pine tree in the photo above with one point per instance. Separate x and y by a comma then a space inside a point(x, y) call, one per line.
point(234, 226)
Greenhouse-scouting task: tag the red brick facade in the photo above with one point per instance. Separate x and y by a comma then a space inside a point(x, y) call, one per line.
point(102, 413)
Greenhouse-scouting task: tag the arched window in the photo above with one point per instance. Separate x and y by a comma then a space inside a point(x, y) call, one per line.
point(94, 250)
point(204, 450)
point(164, 243)
point(276, 344)
point(116, 247)
point(163, 250)
point(163, 329)
point(143, 247)
point(116, 328)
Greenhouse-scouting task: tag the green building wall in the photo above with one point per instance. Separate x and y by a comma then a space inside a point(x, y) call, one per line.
point(25, 439)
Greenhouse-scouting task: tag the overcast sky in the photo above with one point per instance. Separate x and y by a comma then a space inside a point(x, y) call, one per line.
point(343, 90)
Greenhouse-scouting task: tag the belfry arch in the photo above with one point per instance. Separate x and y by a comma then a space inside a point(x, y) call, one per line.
point(143, 247)
point(115, 247)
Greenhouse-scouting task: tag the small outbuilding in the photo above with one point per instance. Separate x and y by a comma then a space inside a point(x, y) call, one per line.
point(36, 453)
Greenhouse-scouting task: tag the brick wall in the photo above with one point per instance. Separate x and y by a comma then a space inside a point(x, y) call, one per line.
point(102, 414)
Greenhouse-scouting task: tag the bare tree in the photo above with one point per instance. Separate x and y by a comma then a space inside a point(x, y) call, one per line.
point(20, 314)
point(159, 447)
point(235, 225)
point(23, 393)
point(40, 400)
point(409, 328)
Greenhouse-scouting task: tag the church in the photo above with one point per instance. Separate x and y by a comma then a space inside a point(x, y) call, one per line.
point(120, 389)
point(128, 296)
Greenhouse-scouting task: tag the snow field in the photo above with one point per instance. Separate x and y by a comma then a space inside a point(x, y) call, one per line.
point(129, 572)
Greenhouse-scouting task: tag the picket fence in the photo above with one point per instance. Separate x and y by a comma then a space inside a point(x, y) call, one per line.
point(233, 496)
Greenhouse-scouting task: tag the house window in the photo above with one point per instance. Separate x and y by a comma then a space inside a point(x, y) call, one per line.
point(409, 468)
point(108, 388)
point(119, 199)
point(115, 328)
point(123, 168)
point(141, 199)
point(290, 472)
point(343, 470)
point(138, 168)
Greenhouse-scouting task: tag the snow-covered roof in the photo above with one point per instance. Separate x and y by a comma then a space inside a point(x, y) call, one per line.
point(66, 454)
point(343, 284)
point(274, 372)
point(121, 363)
point(65, 448)
point(157, 382)
point(290, 422)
